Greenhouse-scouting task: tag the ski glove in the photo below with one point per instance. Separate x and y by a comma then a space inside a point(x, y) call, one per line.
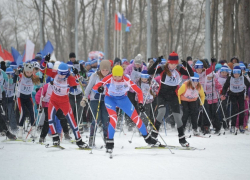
point(159, 59)
point(47, 58)
point(184, 63)
point(101, 89)
point(75, 71)
point(83, 101)
point(213, 60)
point(141, 108)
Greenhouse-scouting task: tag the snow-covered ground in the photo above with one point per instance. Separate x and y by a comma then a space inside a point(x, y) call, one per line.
point(225, 157)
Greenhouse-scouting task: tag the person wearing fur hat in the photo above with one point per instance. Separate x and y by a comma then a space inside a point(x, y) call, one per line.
point(116, 86)
point(188, 94)
point(234, 60)
point(26, 83)
point(59, 101)
point(237, 85)
point(168, 90)
point(104, 70)
point(134, 72)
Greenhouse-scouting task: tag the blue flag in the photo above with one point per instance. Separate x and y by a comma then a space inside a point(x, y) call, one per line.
point(15, 53)
point(48, 48)
point(20, 58)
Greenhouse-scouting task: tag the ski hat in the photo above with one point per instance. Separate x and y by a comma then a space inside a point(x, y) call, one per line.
point(144, 74)
point(163, 61)
point(63, 69)
point(131, 61)
point(211, 74)
point(217, 67)
point(105, 64)
point(125, 61)
point(38, 57)
point(198, 65)
point(242, 66)
point(13, 65)
point(173, 58)
point(93, 61)
point(87, 64)
point(189, 58)
point(117, 61)
point(237, 70)
point(196, 77)
point(36, 65)
point(9, 70)
point(138, 59)
point(50, 65)
point(72, 55)
point(117, 71)
point(81, 62)
point(70, 64)
point(224, 69)
point(28, 67)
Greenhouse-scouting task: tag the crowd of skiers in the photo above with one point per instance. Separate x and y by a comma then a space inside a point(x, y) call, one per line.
point(105, 93)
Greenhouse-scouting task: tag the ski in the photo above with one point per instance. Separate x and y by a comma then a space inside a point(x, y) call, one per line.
point(170, 147)
point(203, 136)
point(54, 146)
point(87, 148)
point(17, 140)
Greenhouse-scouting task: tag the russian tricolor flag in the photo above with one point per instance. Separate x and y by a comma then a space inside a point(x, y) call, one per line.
point(118, 21)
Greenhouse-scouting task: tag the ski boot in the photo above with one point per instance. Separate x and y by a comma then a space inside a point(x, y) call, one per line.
point(20, 132)
point(183, 142)
point(151, 140)
point(242, 130)
point(217, 131)
point(41, 140)
point(232, 130)
point(56, 140)
point(67, 136)
point(195, 132)
point(109, 145)
point(81, 144)
point(10, 135)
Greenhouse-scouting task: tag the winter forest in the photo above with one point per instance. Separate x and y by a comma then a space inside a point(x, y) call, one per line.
point(176, 25)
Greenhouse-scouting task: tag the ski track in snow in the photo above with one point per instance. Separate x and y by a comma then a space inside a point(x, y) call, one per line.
point(225, 157)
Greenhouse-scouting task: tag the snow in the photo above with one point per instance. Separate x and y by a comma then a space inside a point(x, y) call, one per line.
point(225, 157)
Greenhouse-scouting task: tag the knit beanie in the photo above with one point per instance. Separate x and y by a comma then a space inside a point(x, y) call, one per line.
point(138, 59)
point(173, 58)
point(117, 71)
point(105, 64)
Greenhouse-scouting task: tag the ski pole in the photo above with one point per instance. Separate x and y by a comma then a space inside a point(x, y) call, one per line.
point(44, 81)
point(96, 119)
point(237, 113)
point(158, 132)
point(76, 108)
point(201, 102)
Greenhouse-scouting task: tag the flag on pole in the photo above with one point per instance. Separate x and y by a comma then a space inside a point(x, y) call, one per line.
point(124, 23)
point(20, 59)
point(128, 26)
point(14, 53)
point(29, 50)
point(118, 21)
point(2, 55)
point(8, 56)
point(48, 48)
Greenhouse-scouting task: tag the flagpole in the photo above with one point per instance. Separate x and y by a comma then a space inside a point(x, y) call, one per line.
point(114, 34)
point(117, 44)
point(121, 42)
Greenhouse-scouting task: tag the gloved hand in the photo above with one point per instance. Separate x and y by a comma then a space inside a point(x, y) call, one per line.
point(184, 63)
point(141, 108)
point(75, 71)
point(223, 97)
point(51, 82)
point(47, 58)
point(101, 89)
point(1, 102)
point(213, 60)
point(159, 59)
point(83, 101)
